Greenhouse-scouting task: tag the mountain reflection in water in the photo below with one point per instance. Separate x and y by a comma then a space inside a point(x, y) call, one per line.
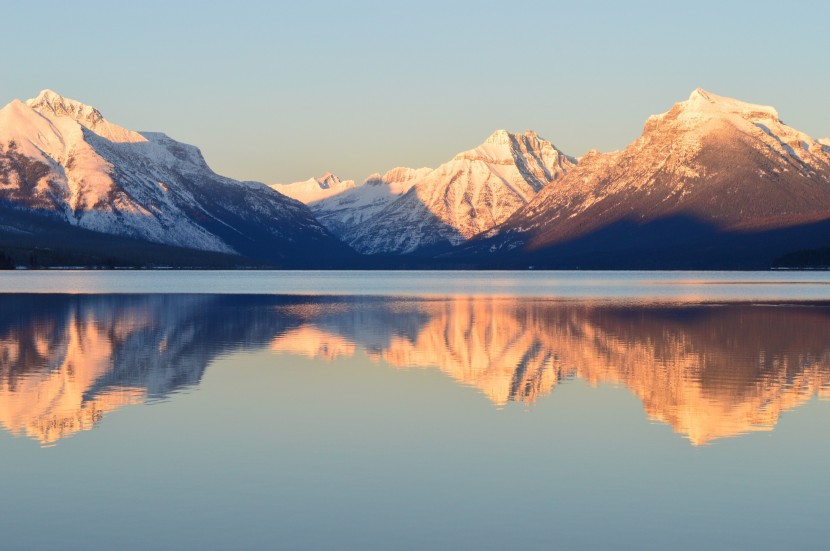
point(710, 371)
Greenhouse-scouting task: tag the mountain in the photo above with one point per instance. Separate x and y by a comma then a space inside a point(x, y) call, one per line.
point(712, 183)
point(64, 166)
point(411, 211)
point(314, 189)
point(349, 211)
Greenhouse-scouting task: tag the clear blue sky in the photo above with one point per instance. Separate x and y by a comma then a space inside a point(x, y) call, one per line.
point(282, 91)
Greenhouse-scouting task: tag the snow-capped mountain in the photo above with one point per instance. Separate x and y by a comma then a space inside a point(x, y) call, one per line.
point(409, 210)
point(314, 189)
point(712, 182)
point(351, 209)
point(63, 159)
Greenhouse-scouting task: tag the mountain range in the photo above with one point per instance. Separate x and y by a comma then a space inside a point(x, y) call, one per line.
point(712, 183)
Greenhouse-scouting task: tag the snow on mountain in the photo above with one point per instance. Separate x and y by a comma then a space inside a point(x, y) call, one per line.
point(53, 104)
point(352, 207)
point(702, 179)
point(406, 210)
point(475, 191)
point(62, 158)
point(314, 189)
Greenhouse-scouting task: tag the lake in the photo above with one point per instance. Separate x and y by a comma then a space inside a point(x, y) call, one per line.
point(414, 410)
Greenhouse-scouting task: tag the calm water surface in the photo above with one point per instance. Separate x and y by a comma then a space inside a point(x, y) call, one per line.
point(638, 286)
point(344, 410)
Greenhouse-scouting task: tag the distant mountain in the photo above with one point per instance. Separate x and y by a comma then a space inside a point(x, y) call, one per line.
point(62, 164)
point(712, 183)
point(349, 212)
point(314, 189)
point(412, 211)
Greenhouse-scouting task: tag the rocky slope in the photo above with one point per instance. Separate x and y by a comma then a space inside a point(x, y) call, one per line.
point(714, 182)
point(63, 160)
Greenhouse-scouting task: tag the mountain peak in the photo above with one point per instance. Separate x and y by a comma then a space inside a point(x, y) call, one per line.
point(700, 94)
point(504, 147)
point(48, 95)
point(500, 137)
point(314, 189)
point(505, 137)
point(373, 179)
point(705, 102)
point(50, 102)
point(328, 180)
